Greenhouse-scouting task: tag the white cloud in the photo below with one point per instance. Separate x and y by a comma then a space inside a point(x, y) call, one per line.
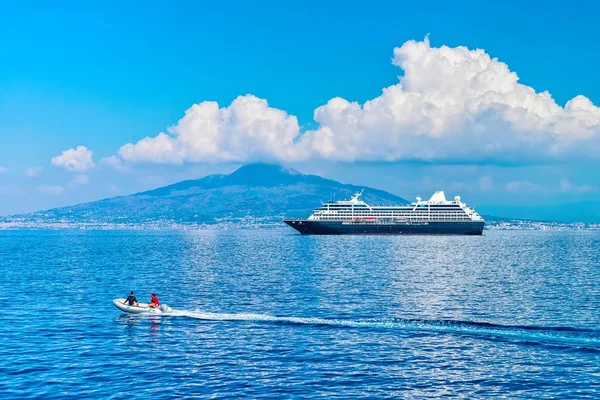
point(522, 187)
point(563, 186)
point(451, 105)
point(50, 190)
point(3, 170)
point(246, 130)
point(115, 162)
point(568, 187)
point(34, 172)
point(75, 160)
point(80, 179)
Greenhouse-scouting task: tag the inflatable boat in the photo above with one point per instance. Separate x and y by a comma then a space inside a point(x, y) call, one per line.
point(141, 308)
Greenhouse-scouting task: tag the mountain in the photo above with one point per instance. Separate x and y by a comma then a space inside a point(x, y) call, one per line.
point(262, 191)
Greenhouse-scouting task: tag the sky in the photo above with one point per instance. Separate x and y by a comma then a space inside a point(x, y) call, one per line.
point(493, 101)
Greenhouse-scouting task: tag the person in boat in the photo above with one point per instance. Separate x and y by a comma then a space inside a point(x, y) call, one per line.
point(154, 301)
point(131, 300)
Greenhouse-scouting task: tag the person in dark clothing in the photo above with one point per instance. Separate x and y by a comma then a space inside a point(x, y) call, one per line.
point(131, 300)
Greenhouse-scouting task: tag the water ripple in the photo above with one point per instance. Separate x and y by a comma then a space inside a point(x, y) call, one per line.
point(504, 315)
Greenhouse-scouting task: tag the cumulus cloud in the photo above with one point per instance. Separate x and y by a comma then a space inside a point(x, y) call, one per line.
point(450, 105)
point(75, 160)
point(50, 190)
point(248, 129)
point(3, 170)
point(34, 172)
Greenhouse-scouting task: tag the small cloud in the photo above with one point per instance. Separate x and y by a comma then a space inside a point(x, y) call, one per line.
point(34, 172)
point(113, 188)
point(115, 162)
point(80, 179)
point(566, 186)
point(3, 170)
point(522, 186)
point(50, 190)
point(75, 160)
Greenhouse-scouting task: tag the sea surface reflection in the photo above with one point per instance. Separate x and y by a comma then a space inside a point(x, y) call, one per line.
point(272, 313)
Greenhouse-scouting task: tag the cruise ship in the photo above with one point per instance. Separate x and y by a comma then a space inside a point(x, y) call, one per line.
point(434, 216)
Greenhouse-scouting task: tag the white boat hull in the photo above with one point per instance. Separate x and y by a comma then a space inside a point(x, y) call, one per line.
point(141, 308)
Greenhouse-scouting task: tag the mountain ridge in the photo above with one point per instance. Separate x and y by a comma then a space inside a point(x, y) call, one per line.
point(265, 191)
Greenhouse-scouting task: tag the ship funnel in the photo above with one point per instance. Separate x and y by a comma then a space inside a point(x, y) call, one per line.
point(438, 197)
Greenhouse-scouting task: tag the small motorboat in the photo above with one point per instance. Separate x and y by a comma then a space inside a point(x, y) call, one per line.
point(141, 308)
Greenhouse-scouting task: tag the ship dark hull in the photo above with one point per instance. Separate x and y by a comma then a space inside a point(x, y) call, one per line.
point(308, 227)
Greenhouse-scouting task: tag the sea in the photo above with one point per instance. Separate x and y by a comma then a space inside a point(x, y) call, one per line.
point(273, 314)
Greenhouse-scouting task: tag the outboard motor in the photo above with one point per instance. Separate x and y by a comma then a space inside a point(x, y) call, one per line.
point(165, 308)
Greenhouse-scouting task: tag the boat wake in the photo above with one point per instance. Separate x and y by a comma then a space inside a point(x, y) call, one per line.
point(588, 339)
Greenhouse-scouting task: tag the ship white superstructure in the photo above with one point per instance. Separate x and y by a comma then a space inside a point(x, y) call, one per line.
point(437, 208)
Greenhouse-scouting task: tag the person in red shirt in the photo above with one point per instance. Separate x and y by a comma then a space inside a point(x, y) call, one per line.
point(154, 301)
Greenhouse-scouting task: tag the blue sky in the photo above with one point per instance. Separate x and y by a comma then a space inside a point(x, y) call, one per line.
point(102, 75)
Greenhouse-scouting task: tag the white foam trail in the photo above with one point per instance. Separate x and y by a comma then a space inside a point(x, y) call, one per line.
point(543, 335)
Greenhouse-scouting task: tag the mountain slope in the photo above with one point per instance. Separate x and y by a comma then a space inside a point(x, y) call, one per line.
point(255, 190)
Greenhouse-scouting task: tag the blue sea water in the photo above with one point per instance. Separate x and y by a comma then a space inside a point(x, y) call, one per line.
point(270, 313)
